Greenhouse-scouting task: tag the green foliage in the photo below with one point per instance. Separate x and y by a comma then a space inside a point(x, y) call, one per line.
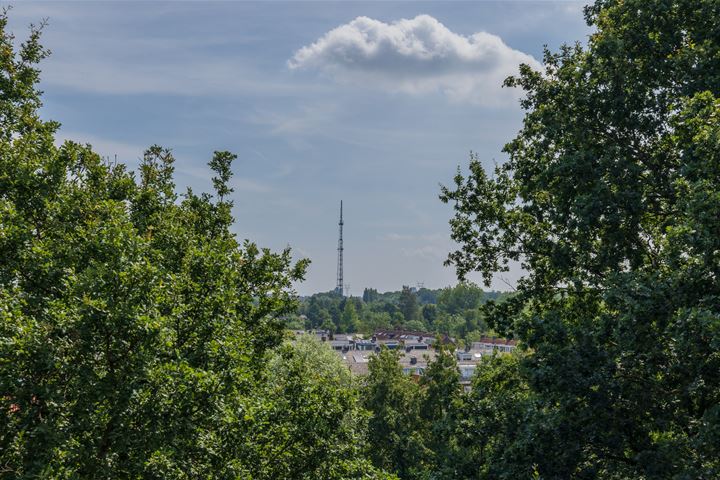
point(609, 201)
point(349, 321)
point(429, 314)
point(220, 164)
point(440, 401)
point(494, 436)
point(304, 421)
point(450, 324)
point(408, 304)
point(138, 337)
point(394, 426)
point(461, 298)
point(369, 295)
point(426, 296)
point(414, 428)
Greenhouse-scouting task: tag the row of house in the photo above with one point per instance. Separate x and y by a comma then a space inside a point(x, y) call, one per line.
point(416, 350)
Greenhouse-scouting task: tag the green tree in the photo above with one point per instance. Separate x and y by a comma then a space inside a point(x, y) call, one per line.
point(408, 304)
point(459, 299)
point(373, 321)
point(393, 400)
point(497, 432)
point(397, 319)
point(304, 421)
point(427, 296)
point(453, 325)
point(349, 321)
point(370, 295)
point(326, 322)
point(314, 313)
point(336, 310)
point(439, 405)
point(429, 314)
point(609, 201)
point(415, 326)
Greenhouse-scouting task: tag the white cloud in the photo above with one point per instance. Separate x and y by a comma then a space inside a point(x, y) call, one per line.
point(416, 56)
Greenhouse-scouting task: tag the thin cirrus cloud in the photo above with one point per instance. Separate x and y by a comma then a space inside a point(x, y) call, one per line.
point(115, 77)
point(416, 56)
point(428, 246)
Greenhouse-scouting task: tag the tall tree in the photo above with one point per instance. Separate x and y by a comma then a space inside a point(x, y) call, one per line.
point(495, 429)
point(429, 314)
point(314, 313)
point(349, 321)
point(439, 405)
point(609, 201)
point(304, 421)
point(461, 298)
point(393, 400)
point(370, 295)
point(408, 304)
point(135, 329)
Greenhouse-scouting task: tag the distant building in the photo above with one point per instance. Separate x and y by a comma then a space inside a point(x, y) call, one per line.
point(463, 356)
point(492, 344)
point(416, 350)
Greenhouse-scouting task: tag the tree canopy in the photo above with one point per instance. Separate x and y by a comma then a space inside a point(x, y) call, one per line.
point(610, 202)
point(139, 338)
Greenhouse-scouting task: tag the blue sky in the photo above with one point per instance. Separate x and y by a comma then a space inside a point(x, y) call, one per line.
point(375, 103)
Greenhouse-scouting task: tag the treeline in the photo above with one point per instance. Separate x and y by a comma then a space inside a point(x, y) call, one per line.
point(453, 311)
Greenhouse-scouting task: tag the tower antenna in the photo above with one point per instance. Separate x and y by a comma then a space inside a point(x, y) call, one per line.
point(339, 285)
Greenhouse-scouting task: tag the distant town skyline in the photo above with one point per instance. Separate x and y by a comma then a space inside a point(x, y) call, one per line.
point(374, 103)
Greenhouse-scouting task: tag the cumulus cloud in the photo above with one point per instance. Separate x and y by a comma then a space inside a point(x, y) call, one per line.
point(416, 56)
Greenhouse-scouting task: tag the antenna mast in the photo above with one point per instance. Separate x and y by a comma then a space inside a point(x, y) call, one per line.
point(339, 285)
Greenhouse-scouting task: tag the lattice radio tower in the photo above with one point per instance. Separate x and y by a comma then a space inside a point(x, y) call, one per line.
point(339, 285)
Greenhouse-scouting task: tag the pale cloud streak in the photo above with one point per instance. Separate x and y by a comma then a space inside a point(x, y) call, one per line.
point(172, 77)
point(415, 56)
point(129, 60)
point(428, 246)
point(132, 155)
point(237, 183)
point(105, 147)
point(427, 252)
